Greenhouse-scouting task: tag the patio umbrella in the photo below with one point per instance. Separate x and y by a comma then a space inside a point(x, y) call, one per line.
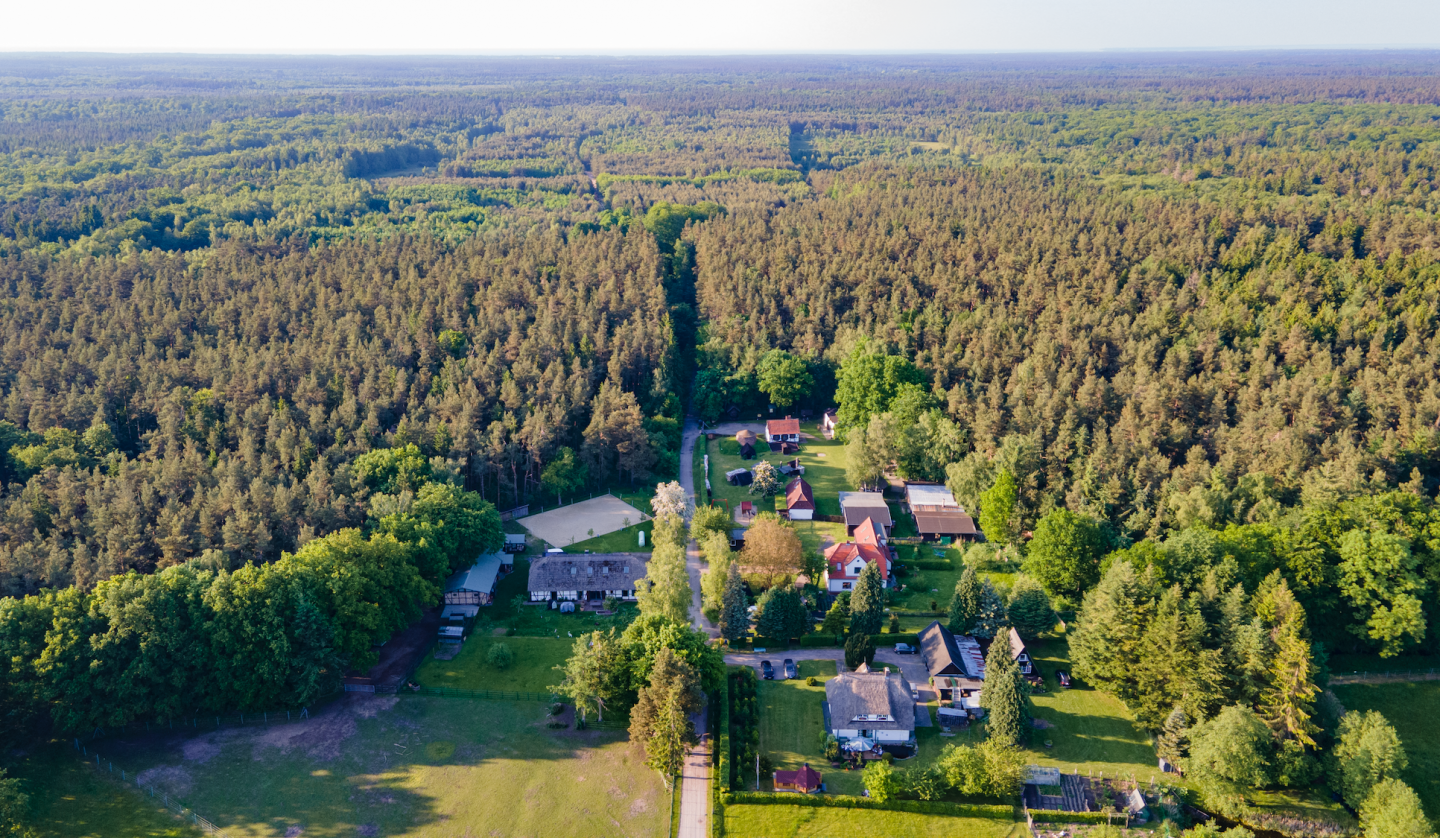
point(859, 744)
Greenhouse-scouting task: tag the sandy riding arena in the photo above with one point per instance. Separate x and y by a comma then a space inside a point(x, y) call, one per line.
point(580, 521)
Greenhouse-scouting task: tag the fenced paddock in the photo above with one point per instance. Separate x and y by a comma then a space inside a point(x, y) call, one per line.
point(580, 521)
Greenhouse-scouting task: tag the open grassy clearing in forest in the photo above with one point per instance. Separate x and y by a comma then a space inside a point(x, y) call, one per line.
point(408, 766)
point(1414, 710)
point(750, 821)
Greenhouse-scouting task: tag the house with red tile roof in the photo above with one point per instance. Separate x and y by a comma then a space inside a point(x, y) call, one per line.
point(844, 562)
point(800, 500)
point(783, 430)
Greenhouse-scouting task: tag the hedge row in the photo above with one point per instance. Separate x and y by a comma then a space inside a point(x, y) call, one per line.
point(1046, 816)
point(720, 771)
point(883, 640)
point(916, 807)
point(818, 641)
point(930, 564)
point(904, 613)
point(815, 641)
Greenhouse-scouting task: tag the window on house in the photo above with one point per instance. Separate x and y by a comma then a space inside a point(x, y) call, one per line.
point(845, 585)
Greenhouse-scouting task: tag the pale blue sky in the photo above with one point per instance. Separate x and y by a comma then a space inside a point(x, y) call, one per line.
point(665, 26)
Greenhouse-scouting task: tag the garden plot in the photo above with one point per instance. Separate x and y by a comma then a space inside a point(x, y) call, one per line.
point(584, 520)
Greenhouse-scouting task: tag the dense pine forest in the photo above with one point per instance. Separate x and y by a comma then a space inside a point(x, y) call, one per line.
point(274, 329)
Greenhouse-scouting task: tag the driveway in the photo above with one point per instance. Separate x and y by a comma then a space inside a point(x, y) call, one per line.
point(909, 665)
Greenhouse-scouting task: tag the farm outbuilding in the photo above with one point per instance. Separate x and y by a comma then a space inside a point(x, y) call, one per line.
point(469, 589)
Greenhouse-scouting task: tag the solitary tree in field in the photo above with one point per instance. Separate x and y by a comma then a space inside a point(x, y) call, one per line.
point(595, 673)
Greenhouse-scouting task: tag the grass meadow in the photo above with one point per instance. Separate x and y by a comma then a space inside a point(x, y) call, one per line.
point(532, 671)
point(69, 799)
point(399, 766)
point(749, 821)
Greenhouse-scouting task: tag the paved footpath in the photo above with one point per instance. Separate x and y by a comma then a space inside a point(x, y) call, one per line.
point(695, 776)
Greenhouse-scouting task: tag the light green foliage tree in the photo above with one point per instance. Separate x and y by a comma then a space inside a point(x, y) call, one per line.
point(1288, 702)
point(661, 717)
point(1380, 576)
point(990, 769)
point(1235, 746)
point(564, 474)
point(773, 551)
point(997, 509)
point(784, 378)
point(1065, 553)
point(1029, 610)
point(965, 602)
point(868, 452)
point(837, 617)
point(867, 602)
point(718, 557)
point(665, 589)
point(14, 808)
point(1368, 753)
point(392, 470)
point(447, 527)
point(710, 519)
point(781, 614)
point(1393, 810)
point(868, 383)
point(882, 781)
point(734, 613)
point(643, 639)
point(990, 618)
point(595, 675)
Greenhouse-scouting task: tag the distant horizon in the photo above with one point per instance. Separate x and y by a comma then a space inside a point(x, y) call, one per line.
point(340, 52)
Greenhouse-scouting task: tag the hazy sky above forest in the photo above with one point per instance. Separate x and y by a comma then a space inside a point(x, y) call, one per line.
point(585, 26)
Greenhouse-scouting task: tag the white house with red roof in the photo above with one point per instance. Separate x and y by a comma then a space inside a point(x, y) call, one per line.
point(783, 430)
point(800, 500)
point(844, 562)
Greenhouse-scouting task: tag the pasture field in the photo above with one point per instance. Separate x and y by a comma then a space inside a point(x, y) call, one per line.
point(406, 766)
point(1412, 708)
point(751, 821)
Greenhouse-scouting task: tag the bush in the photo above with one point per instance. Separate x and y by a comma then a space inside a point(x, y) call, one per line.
point(894, 624)
point(812, 681)
point(500, 656)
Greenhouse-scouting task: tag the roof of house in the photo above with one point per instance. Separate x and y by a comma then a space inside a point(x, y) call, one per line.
point(1017, 646)
point(782, 426)
point(587, 571)
point(830, 416)
point(865, 545)
point(480, 577)
point(929, 494)
point(942, 656)
point(805, 779)
point(858, 506)
point(857, 698)
point(799, 495)
point(745, 437)
point(947, 522)
point(514, 538)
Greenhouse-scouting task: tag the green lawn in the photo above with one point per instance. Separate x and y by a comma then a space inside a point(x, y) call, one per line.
point(413, 766)
point(69, 799)
point(620, 541)
point(1412, 708)
point(536, 619)
point(750, 821)
point(532, 671)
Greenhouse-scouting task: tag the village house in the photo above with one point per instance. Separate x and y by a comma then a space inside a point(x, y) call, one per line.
point(585, 576)
point(780, 431)
point(957, 664)
point(829, 423)
point(865, 708)
point(937, 515)
point(805, 780)
point(845, 561)
point(857, 506)
point(800, 500)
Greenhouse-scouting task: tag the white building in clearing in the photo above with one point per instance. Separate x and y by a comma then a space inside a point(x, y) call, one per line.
point(870, 705)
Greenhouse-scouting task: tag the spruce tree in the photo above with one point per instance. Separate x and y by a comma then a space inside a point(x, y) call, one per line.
point(782, 614)
point(999, 662)
point(867, 603)
point(1287, 704)
point(1029, 610)
point(991, 616)
point(965, 602)
point(734, 616)
point(1173, 743)
point(1008, 708)
point(859, 648)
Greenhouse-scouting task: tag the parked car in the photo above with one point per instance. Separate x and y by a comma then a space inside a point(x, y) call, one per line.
point(790, 670)
point(767, 670)
point(1063, 677)
point(904, 649)
point(915, 694)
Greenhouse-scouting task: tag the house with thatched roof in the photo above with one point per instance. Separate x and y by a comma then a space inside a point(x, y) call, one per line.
point(870, 705)
point(580, 576)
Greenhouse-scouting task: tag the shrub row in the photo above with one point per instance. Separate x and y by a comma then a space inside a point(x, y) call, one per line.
point(720, 772)
point(883, 640)
point(930, 564)
point(917, 807)
point(1070, 817)
point(743, 723)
